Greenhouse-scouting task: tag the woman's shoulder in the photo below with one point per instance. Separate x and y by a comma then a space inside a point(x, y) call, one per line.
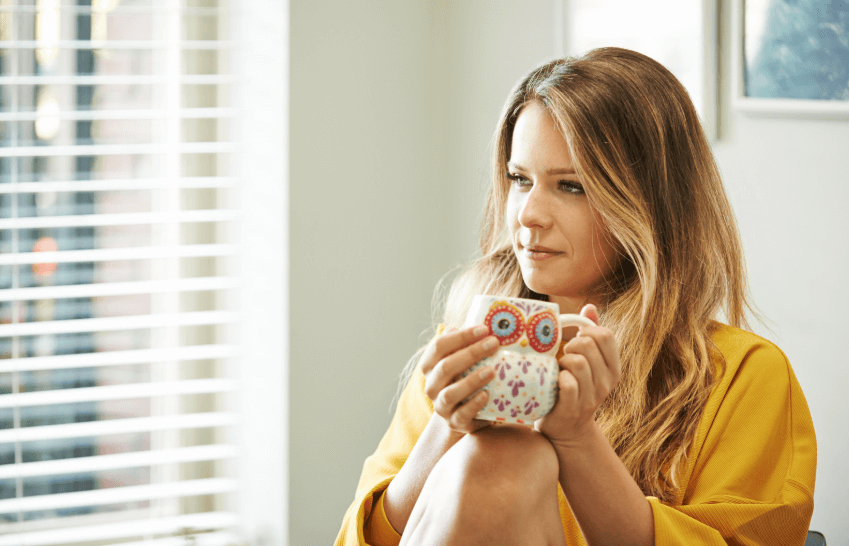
point(756, 418)
point(732, 340)
point(749, 358)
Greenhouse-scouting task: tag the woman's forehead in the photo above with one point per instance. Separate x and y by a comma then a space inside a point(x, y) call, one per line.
point(537, 143)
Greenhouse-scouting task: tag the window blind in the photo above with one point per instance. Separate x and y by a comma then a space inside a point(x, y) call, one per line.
point(115, 248)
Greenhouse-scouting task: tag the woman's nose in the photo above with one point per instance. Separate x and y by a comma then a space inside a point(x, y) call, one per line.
point(534, 212)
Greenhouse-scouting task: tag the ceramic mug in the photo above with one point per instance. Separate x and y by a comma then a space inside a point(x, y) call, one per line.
point(526, 370)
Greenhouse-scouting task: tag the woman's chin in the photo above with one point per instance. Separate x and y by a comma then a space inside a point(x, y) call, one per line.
point(544, 288)
point(553, 290)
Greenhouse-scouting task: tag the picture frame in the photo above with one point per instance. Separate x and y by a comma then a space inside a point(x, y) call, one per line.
point(760, 41)
point(683, 36)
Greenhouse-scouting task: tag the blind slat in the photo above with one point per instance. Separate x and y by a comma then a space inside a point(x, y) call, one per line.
point(123, 184)
point(90, 115)
point(124, 529)
point(155, 8)
point(123, 79)
point(121, 98)
point(115, 392)
point(202, 539)
point(118, 461)
point(192, 284)
point(146, 45)
point(117, 426)
point(116, 149)
point(117, 358)
point(115, 495)
point(108, 254)
point(120, 219)
point(113, 324)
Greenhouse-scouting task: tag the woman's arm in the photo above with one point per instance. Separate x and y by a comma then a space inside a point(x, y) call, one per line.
point(607, 503)
point(403, 492)
point(444, 360)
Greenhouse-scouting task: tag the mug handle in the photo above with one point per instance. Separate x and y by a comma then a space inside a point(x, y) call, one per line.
point(574, 320)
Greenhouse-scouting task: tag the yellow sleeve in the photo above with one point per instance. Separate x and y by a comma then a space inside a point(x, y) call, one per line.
point(754, 461)
point(411, 416)
point(378, 529)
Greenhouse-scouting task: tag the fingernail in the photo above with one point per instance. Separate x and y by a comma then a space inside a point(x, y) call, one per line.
point(487, 374)
point(490, 342)
point(481, 396)
point(480, 330)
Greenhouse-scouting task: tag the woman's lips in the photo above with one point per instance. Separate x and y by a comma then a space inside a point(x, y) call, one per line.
point(538, 253)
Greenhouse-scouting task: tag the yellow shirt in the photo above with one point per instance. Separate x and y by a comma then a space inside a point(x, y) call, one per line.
point(749, 479)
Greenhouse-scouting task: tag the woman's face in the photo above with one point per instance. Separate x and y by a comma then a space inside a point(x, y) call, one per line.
point(559, 240)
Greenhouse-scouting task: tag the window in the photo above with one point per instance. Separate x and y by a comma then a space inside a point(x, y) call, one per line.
point(116, 250)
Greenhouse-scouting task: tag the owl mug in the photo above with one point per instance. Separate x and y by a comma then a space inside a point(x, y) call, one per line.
point(526, 370)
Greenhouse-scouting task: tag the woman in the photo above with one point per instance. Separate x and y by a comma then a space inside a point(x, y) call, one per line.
point(670, 427)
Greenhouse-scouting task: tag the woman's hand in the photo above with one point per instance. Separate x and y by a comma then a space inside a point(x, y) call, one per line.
point(443, 362)
point(589, 370)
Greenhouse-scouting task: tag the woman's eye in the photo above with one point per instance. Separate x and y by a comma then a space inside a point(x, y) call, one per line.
point(571, 187)
point(518, 180)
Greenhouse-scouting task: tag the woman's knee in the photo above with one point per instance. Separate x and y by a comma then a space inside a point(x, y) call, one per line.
point(497, 485)
point(513, 458)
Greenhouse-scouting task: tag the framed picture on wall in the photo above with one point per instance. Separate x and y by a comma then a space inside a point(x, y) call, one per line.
point(682, 36)
point(792, 57)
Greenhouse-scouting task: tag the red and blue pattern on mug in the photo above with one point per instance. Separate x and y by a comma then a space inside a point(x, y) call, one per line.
point(525, 384)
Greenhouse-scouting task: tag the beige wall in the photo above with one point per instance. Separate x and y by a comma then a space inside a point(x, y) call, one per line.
point(393, 105)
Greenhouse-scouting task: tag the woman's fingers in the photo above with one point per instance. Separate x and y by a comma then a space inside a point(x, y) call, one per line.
point(445, 370)
point(604, 338)
point(585, 362)
point(606, 343)
point(590, 311)
point(578, 369)
point(594, 361)
point(463, 420)
point(448, 343)
point(569, 388)
point(456, 398)
point(590, 370)
point(454, 394)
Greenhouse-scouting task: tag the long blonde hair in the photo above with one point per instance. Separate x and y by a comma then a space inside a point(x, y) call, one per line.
point(647, 168)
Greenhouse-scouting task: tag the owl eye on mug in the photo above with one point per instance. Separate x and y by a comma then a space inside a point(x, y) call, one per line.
point(543, 331)
point(505, 322)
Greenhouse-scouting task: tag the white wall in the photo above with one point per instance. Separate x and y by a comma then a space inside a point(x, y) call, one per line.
point(261, 266)
point(393, 105)
point(788, 180)
point(490, 46)
point(366, 231)
point(788, 185)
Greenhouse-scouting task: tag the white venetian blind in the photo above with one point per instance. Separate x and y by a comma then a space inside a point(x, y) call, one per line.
point(115, 246)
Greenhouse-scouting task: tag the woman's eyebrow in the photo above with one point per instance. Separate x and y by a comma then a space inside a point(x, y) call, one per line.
point(564, 170)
